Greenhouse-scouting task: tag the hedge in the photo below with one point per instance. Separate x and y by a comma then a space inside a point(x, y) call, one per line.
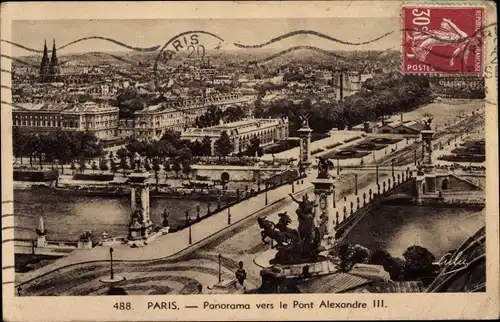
point(35, 175)
point(94, 176)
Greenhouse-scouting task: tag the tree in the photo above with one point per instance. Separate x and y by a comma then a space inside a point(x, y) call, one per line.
point(94, 166)
point(113, 167)
point(254, 147)
point(176, 166)
point(418, 262)
point(103, 164)
point(156, 169)
point(124, 163)
point(206, 146)
point(393, 265)
point(147, 166)
point(186, 169)
point(351, 254)
point(223, 145)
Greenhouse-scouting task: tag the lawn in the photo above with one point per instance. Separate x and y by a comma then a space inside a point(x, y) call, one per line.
point(346, 154)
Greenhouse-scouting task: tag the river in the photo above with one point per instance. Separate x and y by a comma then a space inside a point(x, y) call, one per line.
point(395, 228)
point(67, 216)
point(389, 227)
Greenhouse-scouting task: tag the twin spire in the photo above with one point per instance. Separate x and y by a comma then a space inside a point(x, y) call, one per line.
point(45, 51)
point(49, 69)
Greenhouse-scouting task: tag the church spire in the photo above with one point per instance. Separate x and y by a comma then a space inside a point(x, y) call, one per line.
point(45, 64)
point(54, 54)
point(54, 63)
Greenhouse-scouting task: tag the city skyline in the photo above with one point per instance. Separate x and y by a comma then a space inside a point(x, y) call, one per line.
point(151, 33)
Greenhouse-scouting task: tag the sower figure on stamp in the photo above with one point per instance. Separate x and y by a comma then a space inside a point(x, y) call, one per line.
point(241, 274)
point(449, 34)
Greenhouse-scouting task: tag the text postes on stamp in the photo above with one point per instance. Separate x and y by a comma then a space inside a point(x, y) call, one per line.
point(443, 40)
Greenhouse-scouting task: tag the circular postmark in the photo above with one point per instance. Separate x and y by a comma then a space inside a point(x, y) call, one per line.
point(187, 57)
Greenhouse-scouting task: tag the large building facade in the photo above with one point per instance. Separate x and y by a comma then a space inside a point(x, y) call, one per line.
point(268, 131)
point(153, 121)
point(100, 119)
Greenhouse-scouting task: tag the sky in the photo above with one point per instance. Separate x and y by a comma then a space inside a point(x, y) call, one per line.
point(149, 33)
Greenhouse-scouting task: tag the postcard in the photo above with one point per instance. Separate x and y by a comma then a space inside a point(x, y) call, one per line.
point(234, 161)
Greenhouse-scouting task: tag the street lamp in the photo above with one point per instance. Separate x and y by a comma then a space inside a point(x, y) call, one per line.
point(19, 289)
point(189, 230)
point(229, 215)
point(376, 171)
point(111, 262)
point(338, 167)
point(220, 269)
point(293, 186)
point(266, 192)
point(356, 183)
point(333, 191)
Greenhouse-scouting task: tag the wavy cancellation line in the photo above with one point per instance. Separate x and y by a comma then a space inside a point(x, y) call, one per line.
point(143, 49)
point(314, 33)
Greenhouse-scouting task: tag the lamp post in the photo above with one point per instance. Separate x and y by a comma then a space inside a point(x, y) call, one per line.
point(189, 230)
point(220, 269)
point(266, 192)
point(338, 167)
point(333, 191)
point(229, 215)
point(111, 262)
point(414, 157)
point(19, 289)
point(356, 184)
point(376, 171)
point(392, 166)
point(293, 186)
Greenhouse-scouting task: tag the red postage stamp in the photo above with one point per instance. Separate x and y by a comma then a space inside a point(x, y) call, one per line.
point(442, 40)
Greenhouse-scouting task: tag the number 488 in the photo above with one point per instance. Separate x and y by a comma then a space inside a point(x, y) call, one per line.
point(123, 306)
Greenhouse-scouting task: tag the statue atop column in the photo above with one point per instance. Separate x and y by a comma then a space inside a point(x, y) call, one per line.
point(323, 166)
point(304, 119)
point(138, 162)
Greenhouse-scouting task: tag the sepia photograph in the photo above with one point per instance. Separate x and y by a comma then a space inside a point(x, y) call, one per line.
point(250, 156)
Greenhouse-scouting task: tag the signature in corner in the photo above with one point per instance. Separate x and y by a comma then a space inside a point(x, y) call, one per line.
point(454, 261)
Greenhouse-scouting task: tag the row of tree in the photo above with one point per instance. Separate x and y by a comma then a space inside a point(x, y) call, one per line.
point(215, 114)
point(378, 98)
point(61, 146)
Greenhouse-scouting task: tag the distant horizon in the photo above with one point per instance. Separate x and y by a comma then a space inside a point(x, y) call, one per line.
point(151, 33)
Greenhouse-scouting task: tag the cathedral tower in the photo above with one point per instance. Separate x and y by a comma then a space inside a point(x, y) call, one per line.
point(55, 70)
point(45, 65)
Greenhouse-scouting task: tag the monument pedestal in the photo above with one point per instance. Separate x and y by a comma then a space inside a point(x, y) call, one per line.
point(305, 146)
point(41, 241)
point(324, 194)
point(141, 227)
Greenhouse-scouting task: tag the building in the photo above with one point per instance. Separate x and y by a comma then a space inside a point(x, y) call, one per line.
point(153, 121)
point(267, 130)
point(100, 119)
point(49, 69)
point(408, 127)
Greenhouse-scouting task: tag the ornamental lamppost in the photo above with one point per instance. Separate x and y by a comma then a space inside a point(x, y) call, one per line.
point(229, 214)
point(392, 165)
point(220, 268)
point(111, 262)
point(356, 184)
point(189, 230)
point(267, 184)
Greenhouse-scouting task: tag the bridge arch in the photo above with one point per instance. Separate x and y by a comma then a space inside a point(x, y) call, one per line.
point(224, 176)
point(445, 185)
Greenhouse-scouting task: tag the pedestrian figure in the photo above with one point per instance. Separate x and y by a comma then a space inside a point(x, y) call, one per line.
point(241, 274)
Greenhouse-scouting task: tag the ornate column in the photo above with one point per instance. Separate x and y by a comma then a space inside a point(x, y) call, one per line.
point(305, 145)
point(323, 191)
point(141, 226)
